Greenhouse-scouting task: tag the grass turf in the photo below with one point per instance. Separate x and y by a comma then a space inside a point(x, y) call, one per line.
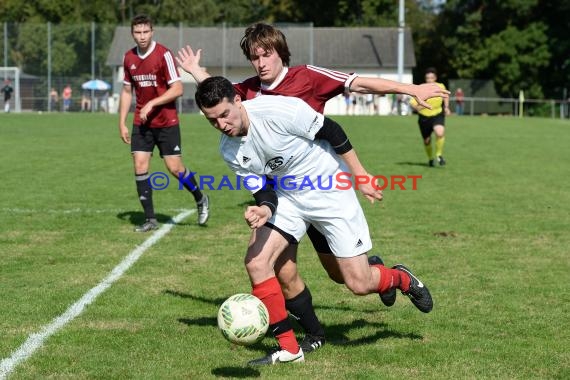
point(488, 234)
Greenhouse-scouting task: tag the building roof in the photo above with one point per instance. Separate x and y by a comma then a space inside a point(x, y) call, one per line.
point(327, 47)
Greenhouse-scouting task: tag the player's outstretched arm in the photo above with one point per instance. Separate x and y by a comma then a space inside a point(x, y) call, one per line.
point(381, 86)
point(423, 92)
point(190, 62)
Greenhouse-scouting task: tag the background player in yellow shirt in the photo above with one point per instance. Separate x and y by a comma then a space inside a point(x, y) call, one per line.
point(433, 120)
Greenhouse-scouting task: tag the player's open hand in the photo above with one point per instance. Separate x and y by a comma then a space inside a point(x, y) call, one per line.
point(189, 60)
point(429, 90)
point(370, 189)
point(256, 216)
point(124, 133)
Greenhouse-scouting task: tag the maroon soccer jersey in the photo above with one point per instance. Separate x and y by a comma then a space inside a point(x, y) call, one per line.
point(151, 75)
point(315, 85)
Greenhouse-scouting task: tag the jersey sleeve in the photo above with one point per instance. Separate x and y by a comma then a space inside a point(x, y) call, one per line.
point(328, 83)
point(127, 79)
point(172, 74)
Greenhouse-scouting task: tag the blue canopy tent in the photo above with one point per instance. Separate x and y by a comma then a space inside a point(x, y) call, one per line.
point(92, 86)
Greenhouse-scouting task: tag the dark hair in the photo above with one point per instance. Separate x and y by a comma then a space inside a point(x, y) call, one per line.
point(431, 70)
point(213, 90)
point(266, 37)
point(141, 19)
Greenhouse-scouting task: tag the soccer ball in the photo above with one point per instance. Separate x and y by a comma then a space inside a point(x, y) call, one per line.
point(243, 319)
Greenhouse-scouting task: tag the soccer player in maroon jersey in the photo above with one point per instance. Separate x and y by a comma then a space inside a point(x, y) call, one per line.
point(150, 71)
point(267, 50)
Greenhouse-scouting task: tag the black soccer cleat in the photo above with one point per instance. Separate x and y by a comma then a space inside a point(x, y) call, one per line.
point(440, 160)
point(147, 226)
point(312, 343)
point(431, 163)
point(418, 293)
point(388, 298)
point(277, 356)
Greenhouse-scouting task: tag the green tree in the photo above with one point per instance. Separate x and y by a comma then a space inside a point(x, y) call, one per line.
point(512, 42)
point(505, 41)
point(173, 12)
point(556, 14)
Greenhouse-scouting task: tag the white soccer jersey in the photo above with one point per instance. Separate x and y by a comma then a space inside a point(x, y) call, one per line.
point(283, 145)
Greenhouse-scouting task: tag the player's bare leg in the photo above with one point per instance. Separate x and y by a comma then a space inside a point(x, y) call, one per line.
point(330, 264)
point(264, 248)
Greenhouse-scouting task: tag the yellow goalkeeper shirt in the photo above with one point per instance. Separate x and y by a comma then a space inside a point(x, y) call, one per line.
point(435, 103)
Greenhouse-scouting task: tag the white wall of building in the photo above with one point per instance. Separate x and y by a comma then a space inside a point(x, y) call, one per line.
point(383, 104)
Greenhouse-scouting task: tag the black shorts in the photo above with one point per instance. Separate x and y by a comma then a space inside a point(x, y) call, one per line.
point(144, 139)
point(427, 123)
point(318, 240)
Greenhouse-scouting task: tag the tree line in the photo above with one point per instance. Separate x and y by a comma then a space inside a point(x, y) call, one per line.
point(519, 44)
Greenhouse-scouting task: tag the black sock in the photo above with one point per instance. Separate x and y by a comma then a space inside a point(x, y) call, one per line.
point(145, 194)
point(301, 308)
point(189, 182)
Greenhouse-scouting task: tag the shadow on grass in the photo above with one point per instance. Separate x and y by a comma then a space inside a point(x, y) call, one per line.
point(409, 163)
point(202, 321)
point(337, 334)
point(236, 372)
point(137, 218)
point(213, 301)
point(218, 301)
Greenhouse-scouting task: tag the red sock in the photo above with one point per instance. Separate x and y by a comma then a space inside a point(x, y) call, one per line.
point(288, 341)
point(392, 278)
point(269, 292)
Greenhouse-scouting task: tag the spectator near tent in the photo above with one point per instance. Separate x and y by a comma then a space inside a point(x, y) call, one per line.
point(66, 95)
point(92, 91)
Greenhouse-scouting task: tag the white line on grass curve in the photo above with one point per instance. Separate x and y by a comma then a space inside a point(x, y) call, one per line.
point(36, 340)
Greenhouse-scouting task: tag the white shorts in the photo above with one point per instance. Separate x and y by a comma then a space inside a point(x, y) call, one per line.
point(335, 213)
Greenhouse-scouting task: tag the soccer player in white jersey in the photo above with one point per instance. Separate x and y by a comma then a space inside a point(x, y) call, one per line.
point(274, 137)
point(267, 50)
point(150, 72)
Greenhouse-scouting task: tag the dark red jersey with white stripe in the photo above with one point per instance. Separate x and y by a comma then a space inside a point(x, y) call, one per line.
point(151, 75)
point(315, 85)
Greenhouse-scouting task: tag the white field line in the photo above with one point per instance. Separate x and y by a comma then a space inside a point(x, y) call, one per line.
point(36, 340)
point(78, 210)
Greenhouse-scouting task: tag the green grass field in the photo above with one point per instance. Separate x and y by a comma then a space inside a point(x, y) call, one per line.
point(489, 234)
